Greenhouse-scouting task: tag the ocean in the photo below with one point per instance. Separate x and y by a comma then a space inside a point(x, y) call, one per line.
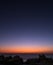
point(28, 56)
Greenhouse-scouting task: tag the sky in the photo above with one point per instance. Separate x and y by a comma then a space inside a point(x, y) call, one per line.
point(26, 26)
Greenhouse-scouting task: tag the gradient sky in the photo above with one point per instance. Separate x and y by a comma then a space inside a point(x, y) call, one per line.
point(26, 26)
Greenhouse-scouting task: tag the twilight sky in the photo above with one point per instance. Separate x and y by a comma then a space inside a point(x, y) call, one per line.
point(26, 26)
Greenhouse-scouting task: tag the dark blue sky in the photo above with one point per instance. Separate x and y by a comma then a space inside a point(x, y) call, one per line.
point(26, 23)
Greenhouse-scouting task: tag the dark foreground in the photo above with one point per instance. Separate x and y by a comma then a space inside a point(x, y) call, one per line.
point(16, 60)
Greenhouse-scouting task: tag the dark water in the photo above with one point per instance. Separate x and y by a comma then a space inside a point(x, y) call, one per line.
point(27, 56)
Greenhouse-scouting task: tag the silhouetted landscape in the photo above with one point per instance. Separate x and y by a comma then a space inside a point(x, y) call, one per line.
point(17, 60)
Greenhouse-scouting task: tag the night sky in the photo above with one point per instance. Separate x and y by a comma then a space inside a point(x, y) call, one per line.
point(26, 26)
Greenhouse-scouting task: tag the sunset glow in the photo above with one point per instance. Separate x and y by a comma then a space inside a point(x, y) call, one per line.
point(26, 50)
point(26, 27)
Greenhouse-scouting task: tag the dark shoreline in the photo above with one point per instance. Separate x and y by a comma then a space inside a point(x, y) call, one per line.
point(17, 60)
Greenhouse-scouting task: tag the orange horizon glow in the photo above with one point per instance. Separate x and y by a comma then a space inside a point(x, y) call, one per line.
point(26, 50)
